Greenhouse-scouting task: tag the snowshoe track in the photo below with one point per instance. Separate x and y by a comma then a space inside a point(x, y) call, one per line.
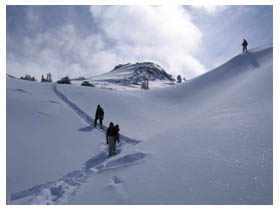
point(63, 189)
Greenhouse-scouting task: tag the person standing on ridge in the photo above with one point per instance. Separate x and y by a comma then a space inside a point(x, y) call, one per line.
point(244, 44)
point(99, 114)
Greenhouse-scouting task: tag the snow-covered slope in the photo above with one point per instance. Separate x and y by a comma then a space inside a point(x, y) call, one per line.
point(207, 141)
point(44, 140)
point(130, 77)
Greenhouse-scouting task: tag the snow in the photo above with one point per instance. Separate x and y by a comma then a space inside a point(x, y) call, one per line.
point(205, 141)
point(41, 143)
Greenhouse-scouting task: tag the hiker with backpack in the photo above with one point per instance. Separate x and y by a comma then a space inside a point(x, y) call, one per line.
point(99, 114)
point(112, 137)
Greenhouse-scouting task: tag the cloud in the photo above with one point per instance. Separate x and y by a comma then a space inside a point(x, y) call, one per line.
point(211, 9)
point(165, 35)
point(62, 52)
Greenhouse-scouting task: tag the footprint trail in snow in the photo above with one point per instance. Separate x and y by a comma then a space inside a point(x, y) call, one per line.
point(63, 189)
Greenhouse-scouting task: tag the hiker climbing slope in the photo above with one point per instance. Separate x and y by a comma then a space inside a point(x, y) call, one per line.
point(99, 114)
point(110, 138)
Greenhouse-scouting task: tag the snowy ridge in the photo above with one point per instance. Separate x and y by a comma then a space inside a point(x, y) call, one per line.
point(61, 190)
point(248, 61)
point(226, 75)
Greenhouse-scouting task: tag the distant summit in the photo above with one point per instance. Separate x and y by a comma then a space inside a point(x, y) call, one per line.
point(127, 76)
point(145, 70)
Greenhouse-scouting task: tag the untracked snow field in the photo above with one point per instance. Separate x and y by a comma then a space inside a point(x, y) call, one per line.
point(205, 141)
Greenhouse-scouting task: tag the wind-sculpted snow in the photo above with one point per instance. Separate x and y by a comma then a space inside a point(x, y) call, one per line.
point(62, 190)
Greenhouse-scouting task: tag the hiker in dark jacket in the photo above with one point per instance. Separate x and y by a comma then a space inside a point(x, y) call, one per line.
point(99, 114)
point(110, 138)
point(244, 44)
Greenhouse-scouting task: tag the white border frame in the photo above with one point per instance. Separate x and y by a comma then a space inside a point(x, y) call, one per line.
point(276, 77)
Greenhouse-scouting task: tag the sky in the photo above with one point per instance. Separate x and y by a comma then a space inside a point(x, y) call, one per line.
point(85, 41)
